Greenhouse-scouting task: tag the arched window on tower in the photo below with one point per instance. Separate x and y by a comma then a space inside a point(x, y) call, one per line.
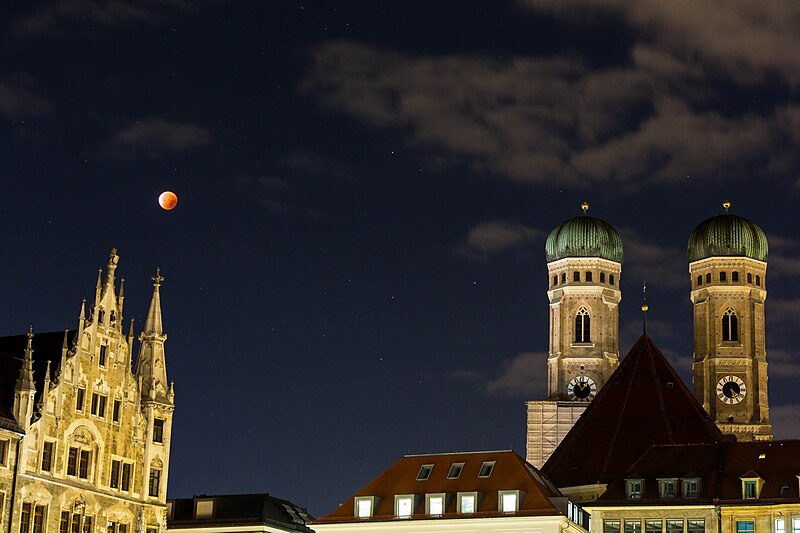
point(699, 280)
point(730, 325)
point(758, 280)
point(555, 280)
point(582, 327)
point(749, 278)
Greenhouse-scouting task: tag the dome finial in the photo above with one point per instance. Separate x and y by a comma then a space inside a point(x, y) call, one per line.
point(644, 308)
point(726, 204)
point(585, 207)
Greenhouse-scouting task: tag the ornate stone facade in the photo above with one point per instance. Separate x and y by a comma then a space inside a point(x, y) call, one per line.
point(92, 455)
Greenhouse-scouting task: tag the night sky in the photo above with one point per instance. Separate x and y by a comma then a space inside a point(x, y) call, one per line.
point(355, 268)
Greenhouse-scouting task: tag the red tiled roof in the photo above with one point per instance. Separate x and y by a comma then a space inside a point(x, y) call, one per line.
point(644, 403)
point(510, 472)
point(720, 468)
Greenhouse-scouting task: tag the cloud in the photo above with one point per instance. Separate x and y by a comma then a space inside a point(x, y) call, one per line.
point(783, 365)
point(748, 41)
point(496, 237)
point(57, 16)
point(785, 421)
point(19, 100)
point(523, 376)
point(661, 266)
point(783, 256)
point(154, 136)
point(542, 120)
point(783, 310)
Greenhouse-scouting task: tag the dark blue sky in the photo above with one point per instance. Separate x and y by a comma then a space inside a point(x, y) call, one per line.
point(355, 268)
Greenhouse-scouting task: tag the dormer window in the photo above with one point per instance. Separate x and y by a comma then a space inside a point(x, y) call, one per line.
point(666, 488)
point(467, 502)
point(634, 488)
point(455, 470)
point(508, 501)
point(364, 505)
point(486, 469)
point(404, 505)
point(691, 487)
point(434, 504)
point(749, 490)
point(204, 508)
point(424, 472)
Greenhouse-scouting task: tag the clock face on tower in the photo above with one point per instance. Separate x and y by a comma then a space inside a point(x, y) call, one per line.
point(581, 388)
point(731, 390)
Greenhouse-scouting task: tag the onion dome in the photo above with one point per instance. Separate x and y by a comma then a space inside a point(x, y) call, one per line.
point(584, 236)
point(727, 235)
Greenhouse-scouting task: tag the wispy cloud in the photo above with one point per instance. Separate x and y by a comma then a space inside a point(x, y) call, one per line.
point(783, 364)
point(18, 99)
point(661, 266)
point(783, 256)
point(496, 237)
point(153, 136)
point(523, 376)
point(57, 17)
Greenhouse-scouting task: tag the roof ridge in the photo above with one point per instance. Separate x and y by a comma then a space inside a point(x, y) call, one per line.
point(661, 403)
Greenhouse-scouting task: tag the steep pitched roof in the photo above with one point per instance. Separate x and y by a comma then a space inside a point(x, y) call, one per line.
point(644, 403)
point(46, 347)
point(510, 472)
point(233, 510)
point(720, 468)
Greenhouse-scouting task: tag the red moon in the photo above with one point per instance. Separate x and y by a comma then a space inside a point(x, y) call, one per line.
point(168, 200)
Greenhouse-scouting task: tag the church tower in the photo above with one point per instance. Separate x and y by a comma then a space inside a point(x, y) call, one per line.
point(728, 268)
point(584, 262)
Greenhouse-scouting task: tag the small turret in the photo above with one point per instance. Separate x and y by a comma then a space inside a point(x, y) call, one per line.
point(151, 364)
point(25, 389)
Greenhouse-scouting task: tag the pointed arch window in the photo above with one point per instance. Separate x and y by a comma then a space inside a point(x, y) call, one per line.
point(582, 326)
point(730, 325)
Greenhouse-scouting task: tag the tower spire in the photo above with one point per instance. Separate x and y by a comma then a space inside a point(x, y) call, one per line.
point(152, 325)
point(25, 380)
point(25, 389)
point(644, 308)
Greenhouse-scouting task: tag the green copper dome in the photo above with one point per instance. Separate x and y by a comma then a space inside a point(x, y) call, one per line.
point(584, 236)
point(727, 235)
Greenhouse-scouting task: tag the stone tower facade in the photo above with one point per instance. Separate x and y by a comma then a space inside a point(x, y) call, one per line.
point(584, 264)
point(728, 268)
point(92, 454)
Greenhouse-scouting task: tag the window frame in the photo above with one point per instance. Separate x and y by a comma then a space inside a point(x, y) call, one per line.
point(425, 472)
point(158, 430)
point(486, 469)
point(583, 326)
point(436, 496)
point(455, 470)
point(502, 496)
point(369, 500)
point(402, 499)
point(461, 496)
point(667, 488)
point(154, 482)
point(48, 452)
point(632, 494)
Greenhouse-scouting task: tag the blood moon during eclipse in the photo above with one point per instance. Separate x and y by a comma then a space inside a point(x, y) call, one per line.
point(168, 200)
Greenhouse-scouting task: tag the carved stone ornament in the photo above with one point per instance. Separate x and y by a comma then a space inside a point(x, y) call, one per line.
point(82, 435)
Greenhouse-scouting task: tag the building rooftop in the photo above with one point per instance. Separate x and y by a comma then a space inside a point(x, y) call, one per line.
point(232, 510)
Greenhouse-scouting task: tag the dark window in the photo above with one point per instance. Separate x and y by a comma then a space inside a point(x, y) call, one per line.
point(667, 488)
point(126, 476)
point(690, 487)
point(696, 526)
point(582, 326)
point(699, 280)
point(455, 470)
point(79, 399)
point(83, 464)
point(87, 524)
point(653, 526)
point(3, 452)
point(730, 325)
point(98, 405)
point(734, 276)
point(723, 276)
point(424, 472)
point(563, 277)
point(25, 518)
point(708, 277)
point(117, 405)
point(103, 349)
point(749, 278)
point(155, 479)
point(72, 462)
point(158, 430)
point(602, 277)
point(64, 525)
point(486, 469)
point(555, 281)
point(758, 280)
point(674, 526)
point(749, 489)
point(115, 467)
point(588, 276)
point(38, 518)
point(611, 526)
point(47, 456)
point(76, 523)
point(611, 279)
point(576, 276)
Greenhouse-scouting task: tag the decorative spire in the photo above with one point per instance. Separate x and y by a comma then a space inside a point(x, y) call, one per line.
point(25, 380)
point(99, 286)
point(585, 207)
point(121, 299)
point(644, 308)
point(727, 205)
point(152, 325)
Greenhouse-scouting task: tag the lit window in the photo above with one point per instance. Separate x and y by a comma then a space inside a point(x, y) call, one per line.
point(690, 488)
point(582, 326)
point(795, 525)
point(696, 526)
point(633, 488)
point(723, 276)
point(486, 469)
point(455, 470)
point(509, 500)
point(730, 325)
point(588, 276)
point(745, 526)
point(467, 502)
point(633, 526)
point(611, 526)
point(424, 472)
point(666, 488)
point(653, 526)
point(204, 508)
point(364, 507)
point(434, 504)
point(749, 489)
point(674, 526)
point(780, 525)
point(403, 506)
point(576, 276)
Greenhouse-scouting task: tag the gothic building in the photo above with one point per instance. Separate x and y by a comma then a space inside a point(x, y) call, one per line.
point(85, 438)
point(727, 257)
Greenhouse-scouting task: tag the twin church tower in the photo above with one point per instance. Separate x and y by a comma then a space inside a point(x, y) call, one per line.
point(727, 265)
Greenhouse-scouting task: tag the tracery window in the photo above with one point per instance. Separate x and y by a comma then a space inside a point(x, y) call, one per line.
point(582, 326)
point(730, 325)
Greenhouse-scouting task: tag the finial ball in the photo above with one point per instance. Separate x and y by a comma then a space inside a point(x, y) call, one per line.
point(645, 308)
point(726, 204)
point(585, 206)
